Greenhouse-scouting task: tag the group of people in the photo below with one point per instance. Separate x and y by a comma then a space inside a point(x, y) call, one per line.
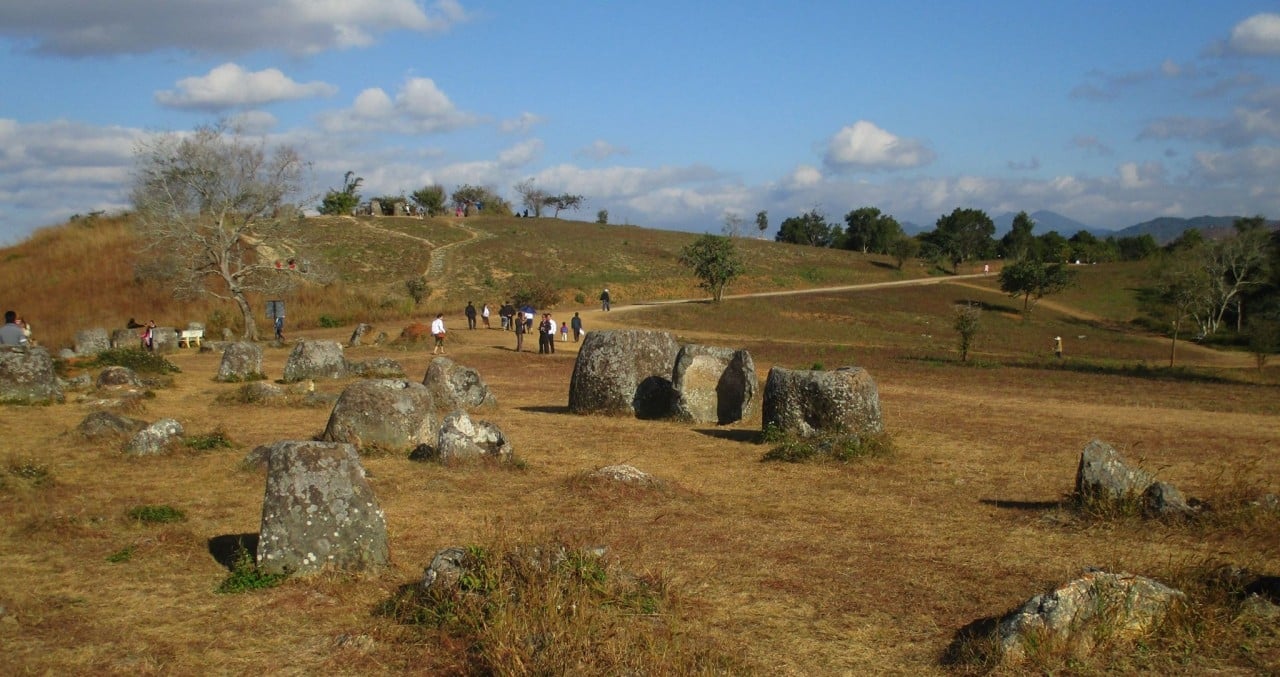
point(16, 331)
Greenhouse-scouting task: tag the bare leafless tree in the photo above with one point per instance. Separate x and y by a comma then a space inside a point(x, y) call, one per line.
point(218, 206)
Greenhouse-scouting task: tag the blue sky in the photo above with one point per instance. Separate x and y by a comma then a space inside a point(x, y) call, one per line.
point(668, 114)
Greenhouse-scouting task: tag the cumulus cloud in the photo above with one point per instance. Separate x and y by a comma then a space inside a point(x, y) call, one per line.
point(863, 146)
point(804, 175)
point(521, 124)
point(230, 86)
point(419, 107)
point(79, 29)
point(1259, 35)
point(601, 150)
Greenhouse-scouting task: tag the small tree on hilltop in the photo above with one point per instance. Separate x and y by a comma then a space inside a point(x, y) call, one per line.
point(562, 202)
point(904, 248)
point(967, 319)
point(345, 201)
point(531, 196)
point(762, 222)
point(602, 217)
point(217, 206)
point(1033, 280)
point(430, 199)
point(714, 260)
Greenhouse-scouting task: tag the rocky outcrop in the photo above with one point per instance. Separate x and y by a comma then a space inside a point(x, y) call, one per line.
point(461, 438)
point(27, 376)
point(378, 367)
point(1103, 476)
point(89, 342)
point(319, 512)
point(157, 438)
point(358, 334)
point(315, 360)
point(624, 373)
point(713, 385)
point(240, 362)
point(454, 386)
point(118, 377)
point(105, 425)
point(389, 414)
point(807, 403)
point(625, 474)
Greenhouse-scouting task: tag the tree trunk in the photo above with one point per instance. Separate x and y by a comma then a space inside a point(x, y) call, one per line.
point(1174, 345)
point(250, 326)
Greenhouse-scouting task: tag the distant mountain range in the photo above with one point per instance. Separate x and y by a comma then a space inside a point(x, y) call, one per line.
point(1164, 229)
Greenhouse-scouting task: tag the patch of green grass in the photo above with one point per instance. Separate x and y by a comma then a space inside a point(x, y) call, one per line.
point(330, 322)
point(216, 439)
point(827, 447)
point(156, 514)
point(137, 359)
point(246, 576)
point(122, 555)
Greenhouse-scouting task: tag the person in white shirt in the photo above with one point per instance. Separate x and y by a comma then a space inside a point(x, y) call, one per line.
point(484, 315)
point(438, 331)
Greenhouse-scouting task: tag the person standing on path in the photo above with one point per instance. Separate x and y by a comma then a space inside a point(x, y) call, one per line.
point(470, 312)
point(484, 315)
point(520, 331)
point(438, 331)
point(604, 299)
point(576, 323)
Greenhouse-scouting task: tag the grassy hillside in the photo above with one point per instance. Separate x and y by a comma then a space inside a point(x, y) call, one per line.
point(751, 567)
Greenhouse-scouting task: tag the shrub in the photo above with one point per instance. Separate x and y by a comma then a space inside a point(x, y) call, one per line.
point(831, 447)
point(329, 322)
point(216, 439)
point(417, 288)
point(121, 556)
point(137, 359)
point(246, 576)
point(30, 470)
point(156, 514)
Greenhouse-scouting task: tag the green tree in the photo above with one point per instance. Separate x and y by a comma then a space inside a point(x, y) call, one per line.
point(868, 230)
point(966, 320)
point(1019, 242)
point(964, 234)
point(810, 228)
point(531, 196)
point(471, 198)
point(732, 224)
point(715, 261)
point(762, 222)
point(345, 201)
point(1182, 284)
point(221, 209)
point(1086, 247)
point(1053, 247)
point(602, 217)
point(430, 199)
point(1032, 280)
point(1137, 248)
point(903, 249)
point(562, 202)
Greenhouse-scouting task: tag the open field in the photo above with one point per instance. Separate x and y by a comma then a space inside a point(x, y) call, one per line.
point(864, 568)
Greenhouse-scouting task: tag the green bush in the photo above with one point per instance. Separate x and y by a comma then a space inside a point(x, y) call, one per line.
point(827, 447)
point(137, 359)
point(246, 576)
point(217, 439)
point(329, 322)
point(156, 514)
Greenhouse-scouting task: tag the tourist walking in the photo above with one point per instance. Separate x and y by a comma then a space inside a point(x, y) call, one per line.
point(470, 312)
point(484, 315)
point(520, 332)
point(438, 331)
point(604, 299)
point(576, 323)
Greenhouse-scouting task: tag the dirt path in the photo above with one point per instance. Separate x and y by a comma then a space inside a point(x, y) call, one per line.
point(439, 255)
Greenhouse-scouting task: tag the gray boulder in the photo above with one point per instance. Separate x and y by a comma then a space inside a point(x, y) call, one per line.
point(384, 413)
point(454, 386)
point(460, 437)
point(1165, 501)
point(227, 334)
point(92, 341)
point(713, 385)
point(380, 339)
point(262, 392)
point(1120, 607)
point(164, 340)
point(102, 425)
point(154, 439)
point(378, 367)
point(27, 376)
point(240, 362)
point(315, 359)
point(125, 338)
point(447, 566)
point(809, 402)
point(319, 512)
point(116, 377)
point(624, 373)
point(358, 335)
point(1103, 475)
point(625, 474)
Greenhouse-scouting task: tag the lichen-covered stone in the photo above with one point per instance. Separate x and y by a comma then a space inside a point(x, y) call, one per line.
point(454, 386)
point(157, 438)
point(378, 367)
point(241, 361)
point(319, 512)
point(624, 372)
point(89, 342)
point(811, 402)
point(461, 437)
point(315, 359)
point(713, 385)
point(384, 413)
point(108, 425)
point(27, 376)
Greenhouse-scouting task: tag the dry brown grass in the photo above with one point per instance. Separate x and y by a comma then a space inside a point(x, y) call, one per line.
point(866, 567)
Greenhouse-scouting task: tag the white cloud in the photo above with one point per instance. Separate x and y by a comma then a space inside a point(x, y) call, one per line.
point(419, 107)
point(521, 124)
point(864, 146)
point(230, 86)
point(254, 122)
point(804, 175)
point(521, 154)
point(1245, 127)
point(601, 150)
point(1259, 35)
point(1133, 175)
point(78, 28)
